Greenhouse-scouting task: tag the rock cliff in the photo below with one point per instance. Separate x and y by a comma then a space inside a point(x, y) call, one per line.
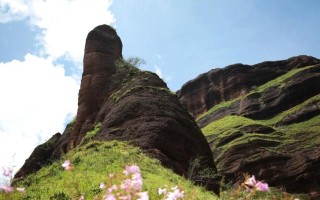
point(263, 120)
point(220, 85)
point(118, 101)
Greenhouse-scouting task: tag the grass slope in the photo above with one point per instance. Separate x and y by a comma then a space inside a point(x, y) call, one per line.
point(226, 133)
point(277, 82)
point(92, 163)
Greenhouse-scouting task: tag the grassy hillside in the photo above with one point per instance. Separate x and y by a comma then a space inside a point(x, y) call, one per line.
point(243, 143)
point(104, 162)
point(91, 165)
point(278, 82)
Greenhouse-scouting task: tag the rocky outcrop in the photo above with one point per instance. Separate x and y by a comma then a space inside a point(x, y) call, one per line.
point(39, 157)
point(270, 130)
point(120, 102)
point(219, 85)
point(268, 101)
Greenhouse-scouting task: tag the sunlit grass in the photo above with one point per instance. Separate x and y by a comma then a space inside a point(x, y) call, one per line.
point(92, 164)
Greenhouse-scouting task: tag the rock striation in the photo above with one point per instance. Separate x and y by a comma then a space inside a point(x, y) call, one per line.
point(261, 123)
point(220, 85)
point(118, 101)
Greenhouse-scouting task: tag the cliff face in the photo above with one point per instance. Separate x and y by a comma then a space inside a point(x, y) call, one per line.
point(219, 85)
point(117, 101)
point(270, 130)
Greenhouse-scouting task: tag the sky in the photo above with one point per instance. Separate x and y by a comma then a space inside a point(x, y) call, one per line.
point(42, 43)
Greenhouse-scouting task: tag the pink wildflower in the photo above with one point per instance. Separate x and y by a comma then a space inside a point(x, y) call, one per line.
point(162, 191)
point(175, 194)
point(112, 188)
point(262, 186)
point(81, 198)
point(252, 183)
point(6, 171)
point(131, 169)
point(131, 185)
point(102, 185)
point(126, 197)
point(135, 183)
point(143, 196)
point(110, 197)
point(67, 165)
point(22, 190)
point(7, 189)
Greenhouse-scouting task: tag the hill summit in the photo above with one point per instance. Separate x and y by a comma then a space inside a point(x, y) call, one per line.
point(118, 101)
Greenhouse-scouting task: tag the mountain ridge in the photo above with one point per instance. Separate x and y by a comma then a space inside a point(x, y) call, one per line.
point(270, 130)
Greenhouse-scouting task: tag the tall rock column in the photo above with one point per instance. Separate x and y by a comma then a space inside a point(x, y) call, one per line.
point(103, 47)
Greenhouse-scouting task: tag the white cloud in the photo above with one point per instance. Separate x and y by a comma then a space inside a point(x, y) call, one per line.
point(64, 23)
point(36, 98)
point(36, 95)
point(159, 72)
point(11, 10)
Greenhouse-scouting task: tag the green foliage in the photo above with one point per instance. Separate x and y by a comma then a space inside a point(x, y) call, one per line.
point(91, 134)
point(92, 163)
point(120, 94)
point(219, 106)
point(60, 196)
point(274, 194)
point(132, 62)
point(199, 172)
point(280, 81)
point(228, 123)
point(273, 121)
point(277, 82)
point(73, 121)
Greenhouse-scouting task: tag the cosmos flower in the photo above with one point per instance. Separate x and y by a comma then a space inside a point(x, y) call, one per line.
point(22, 190)
point(143, 196)
point(66, 165)
point(6, 189)
point(253, 184)
point(102, 185)
point(6, 171)
point(110, 197)
point(162, 191)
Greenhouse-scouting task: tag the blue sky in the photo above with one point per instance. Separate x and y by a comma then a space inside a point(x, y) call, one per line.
point(193, 37)
point(42, 42)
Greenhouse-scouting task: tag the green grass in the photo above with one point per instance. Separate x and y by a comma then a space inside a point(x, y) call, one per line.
point(89, 135)
point(280, 81)
point(120, 94)
point(274, 194)
point(277, 82)
point(91, 165)
point(221, 105)
point(231, 122)
point(273, 121)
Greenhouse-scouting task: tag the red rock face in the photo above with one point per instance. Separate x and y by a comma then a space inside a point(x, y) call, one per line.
point(219, 85)
point(273, 131)
point(134, 106)
point(103, 48)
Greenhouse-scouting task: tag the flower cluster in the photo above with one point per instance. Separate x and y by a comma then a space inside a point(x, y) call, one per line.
point(7, 172)
point(251, 184)
point(67, 165)
point(130, 187)
point(174, 194)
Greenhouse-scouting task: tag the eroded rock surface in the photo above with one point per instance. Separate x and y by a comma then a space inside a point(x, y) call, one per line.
point(219, 85)
point(124, 103)
point(270, 130)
